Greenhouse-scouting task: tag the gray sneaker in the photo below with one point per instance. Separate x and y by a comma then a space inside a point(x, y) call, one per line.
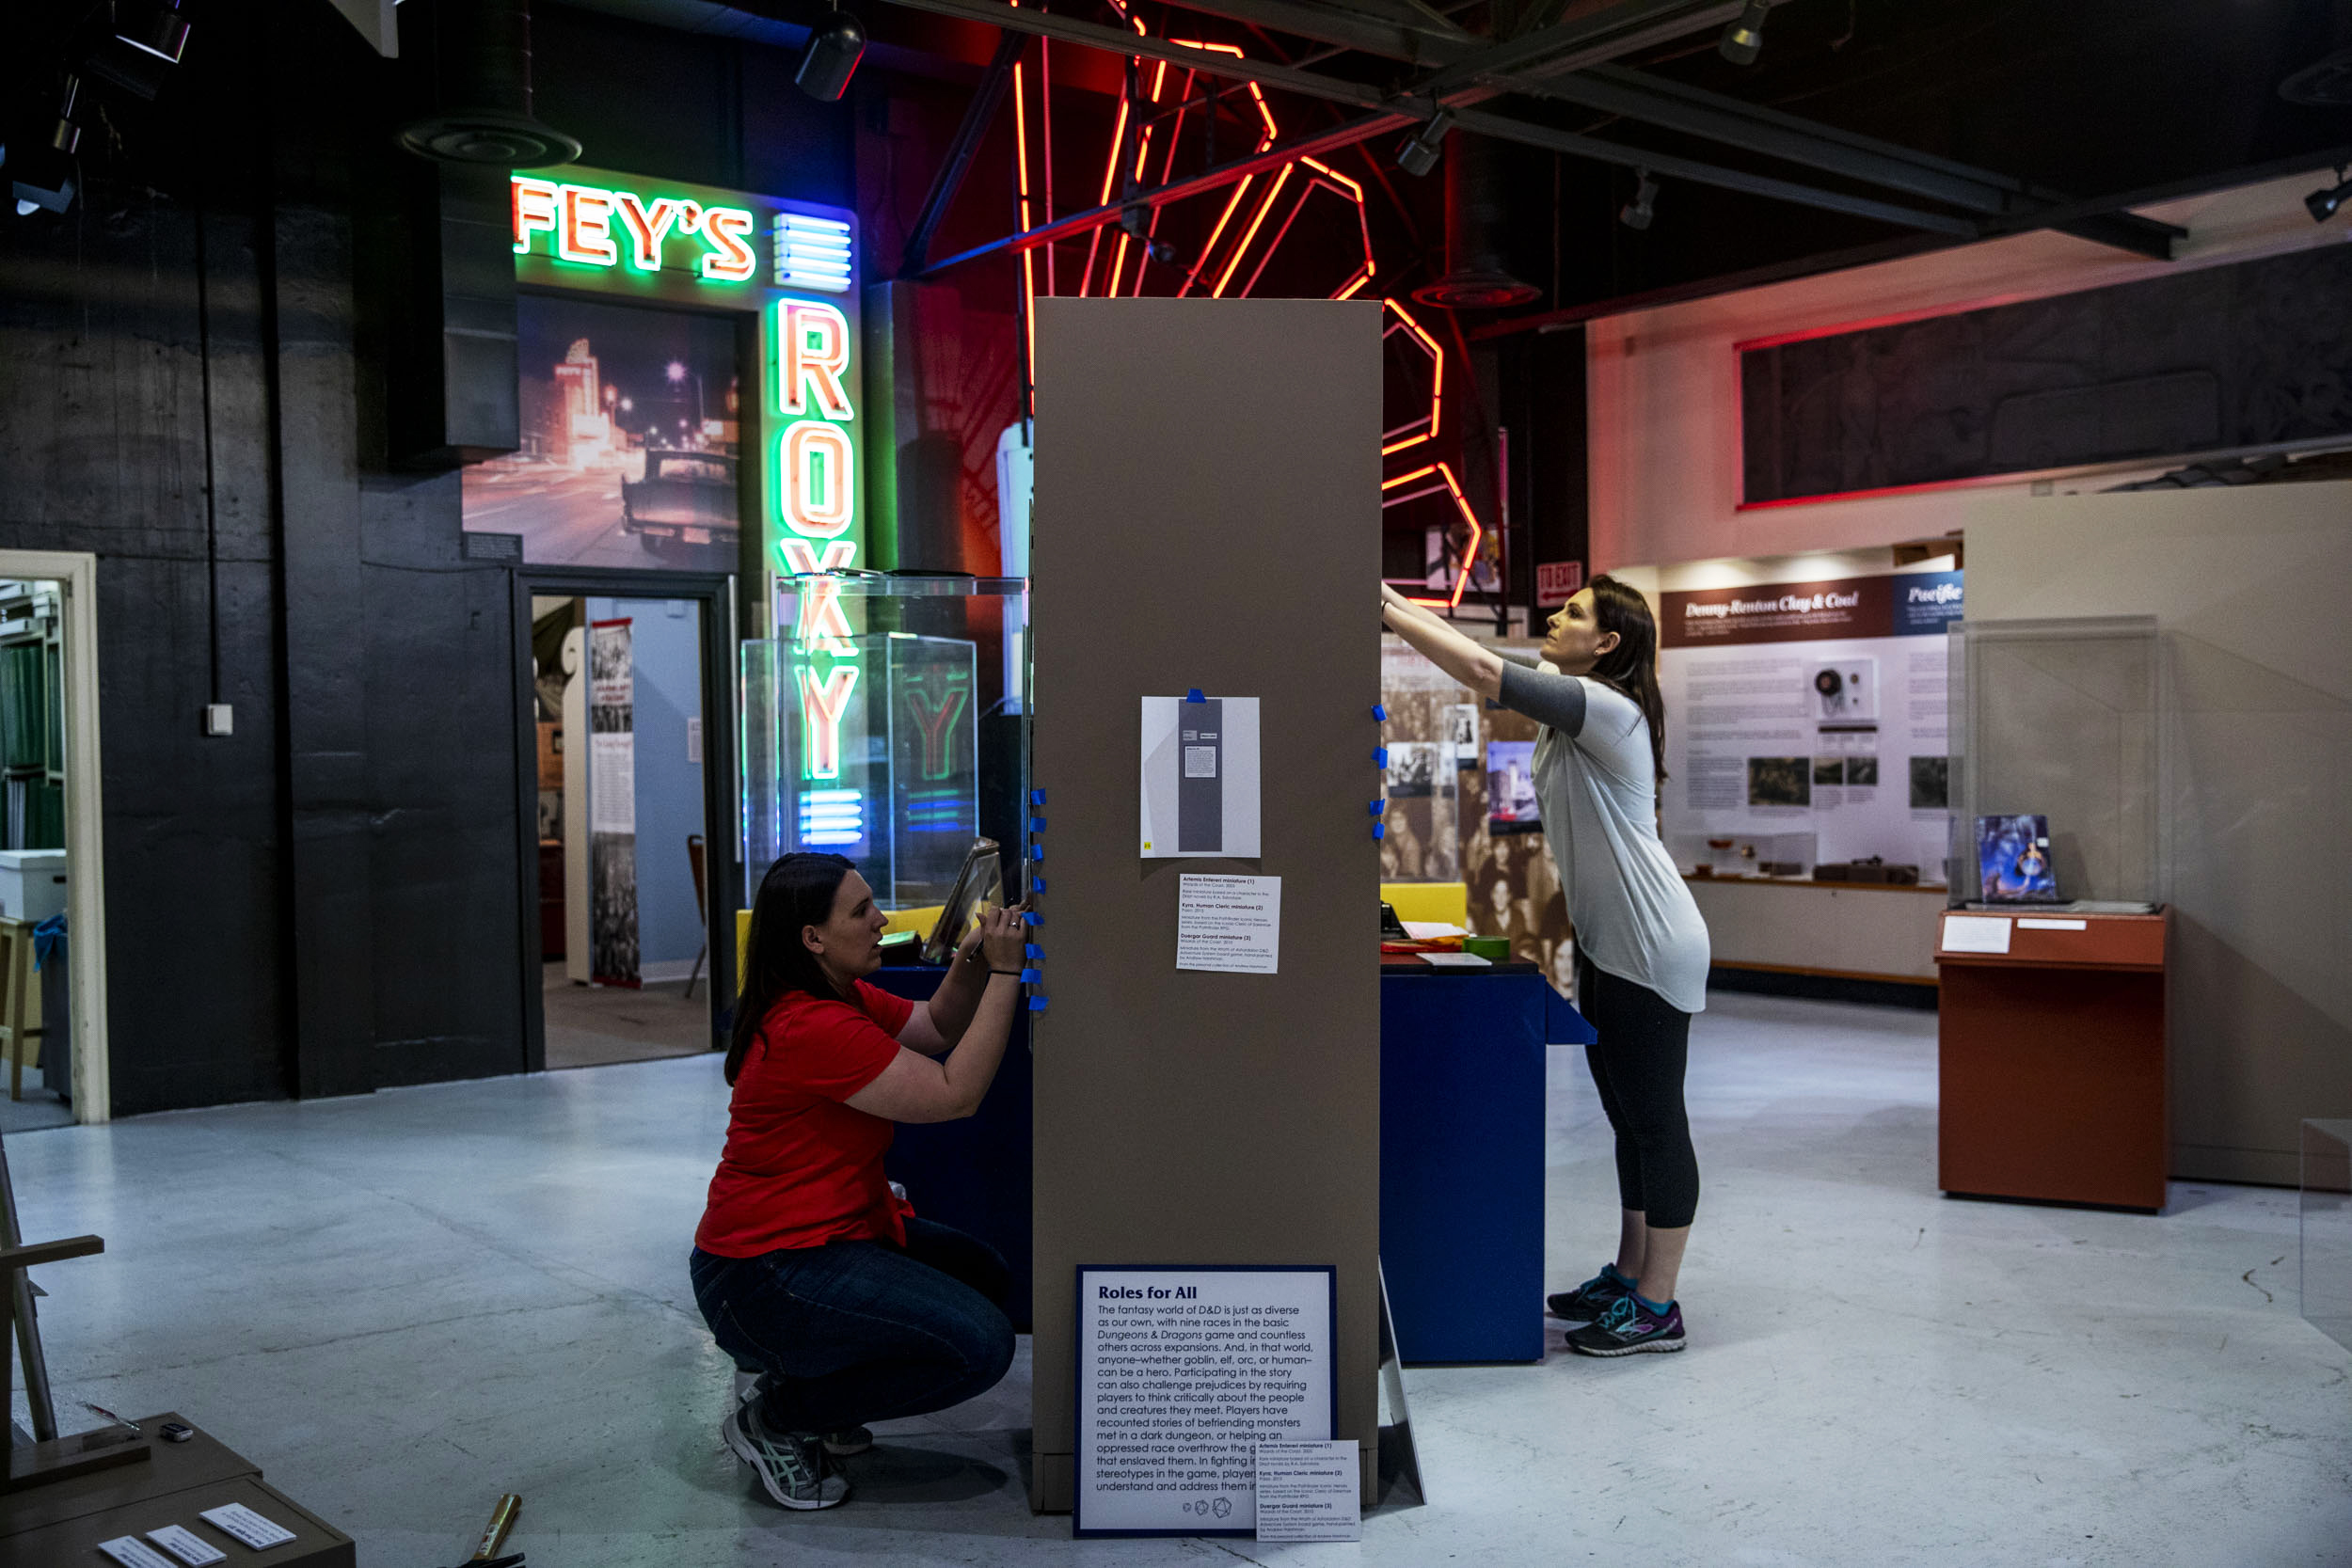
point(841, 1445)
point(792, 1464)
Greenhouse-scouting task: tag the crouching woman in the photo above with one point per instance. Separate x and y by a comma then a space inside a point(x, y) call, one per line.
point(840, 1304)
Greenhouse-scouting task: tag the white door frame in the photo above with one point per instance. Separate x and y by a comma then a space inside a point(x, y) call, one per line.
point(77, 574)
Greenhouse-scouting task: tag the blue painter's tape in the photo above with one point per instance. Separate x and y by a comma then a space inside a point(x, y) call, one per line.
point(1032, 917)
point(1194, 696)
point(1379, 829)
point(1032, 977)
point(1376, 806)
point(1037, 824)
point(1032, 952)
point(1380, 713)
point(1037, 884)
point(1037, 797)
point(1037, 1003)
point(1379, 756)
point(1036, 851)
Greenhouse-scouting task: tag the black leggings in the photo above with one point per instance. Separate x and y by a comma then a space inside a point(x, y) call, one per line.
point(1637, 1065)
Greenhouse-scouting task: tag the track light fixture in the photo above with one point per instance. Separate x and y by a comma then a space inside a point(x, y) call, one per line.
point(835, 47)
point(1419, 154)
point(1637, 213)
point(1744, 38)
point(146, 41)
point(43, 175)
point(2322, 205)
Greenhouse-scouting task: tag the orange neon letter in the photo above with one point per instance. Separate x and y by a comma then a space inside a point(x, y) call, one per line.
point(535, 211)
point(645, 226)
point(822, 707)
point(585, 234)
point(816, 479)
point(728, 260)
point(812, 352)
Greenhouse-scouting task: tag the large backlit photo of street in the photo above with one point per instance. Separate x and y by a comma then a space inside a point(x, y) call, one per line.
point(630, 440)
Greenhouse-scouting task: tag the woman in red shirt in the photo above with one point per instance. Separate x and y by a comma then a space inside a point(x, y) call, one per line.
point(806, 1265)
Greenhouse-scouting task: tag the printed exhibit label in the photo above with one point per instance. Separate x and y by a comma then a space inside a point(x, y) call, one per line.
point(1229, 924)
point(1181, 1373)
point(1310, 1492)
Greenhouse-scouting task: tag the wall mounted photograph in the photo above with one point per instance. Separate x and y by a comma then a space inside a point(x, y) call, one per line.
point(632, 440)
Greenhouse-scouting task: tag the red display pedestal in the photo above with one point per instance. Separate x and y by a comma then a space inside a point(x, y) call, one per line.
point(2052, 1059)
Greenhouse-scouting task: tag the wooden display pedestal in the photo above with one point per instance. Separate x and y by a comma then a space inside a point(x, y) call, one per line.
point(2052, 1060)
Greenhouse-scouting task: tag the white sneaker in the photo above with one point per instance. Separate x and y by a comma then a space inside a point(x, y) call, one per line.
point(792, 1465)
point(841, 1445)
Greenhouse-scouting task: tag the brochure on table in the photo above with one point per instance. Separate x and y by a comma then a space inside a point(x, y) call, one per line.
point(1808, 721)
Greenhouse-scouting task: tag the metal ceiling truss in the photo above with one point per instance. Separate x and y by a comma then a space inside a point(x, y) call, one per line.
point(1564, 62)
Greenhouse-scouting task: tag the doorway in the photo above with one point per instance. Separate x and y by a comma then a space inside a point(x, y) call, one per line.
point(625, 695)
point(53, 1013)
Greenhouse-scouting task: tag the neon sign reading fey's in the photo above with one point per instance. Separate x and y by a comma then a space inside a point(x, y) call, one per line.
point(694, 246)
point(599, 228)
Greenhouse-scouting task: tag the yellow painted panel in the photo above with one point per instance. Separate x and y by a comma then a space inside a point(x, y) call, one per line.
point(1448, 902)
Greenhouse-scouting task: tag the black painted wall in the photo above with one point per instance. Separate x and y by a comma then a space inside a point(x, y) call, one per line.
point(327, 901)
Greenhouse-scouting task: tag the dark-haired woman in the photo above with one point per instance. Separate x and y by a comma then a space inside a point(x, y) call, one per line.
point(1641, 947)
point(806, 1265)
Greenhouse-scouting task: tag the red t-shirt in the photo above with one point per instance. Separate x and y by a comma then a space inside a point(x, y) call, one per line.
point(801, 1168)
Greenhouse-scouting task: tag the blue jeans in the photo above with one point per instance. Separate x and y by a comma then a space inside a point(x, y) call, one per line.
point(854, 1332)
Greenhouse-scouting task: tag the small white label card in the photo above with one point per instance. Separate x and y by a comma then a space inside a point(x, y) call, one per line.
point(248, 1527)
point(1234, 924)
point(1309, 1492)
point(1457, 960)
point(2053, 925)
point(1975, 933)
point(132, 1552)
point(189, 1548)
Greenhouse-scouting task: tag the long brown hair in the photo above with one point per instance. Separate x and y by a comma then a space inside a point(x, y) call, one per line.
point(796, 892)
point(1630, 668)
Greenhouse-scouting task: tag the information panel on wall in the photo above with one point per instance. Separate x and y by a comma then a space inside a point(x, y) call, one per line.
point(1181, 1373)
point(1807, 723)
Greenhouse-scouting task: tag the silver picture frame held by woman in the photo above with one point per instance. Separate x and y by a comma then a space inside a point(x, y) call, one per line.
point(979, 887)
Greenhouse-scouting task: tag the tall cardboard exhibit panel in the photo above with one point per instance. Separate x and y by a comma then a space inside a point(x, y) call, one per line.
point(1207, 516)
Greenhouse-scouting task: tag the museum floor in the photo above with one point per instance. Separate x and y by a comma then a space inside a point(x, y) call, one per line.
point(404, 1304)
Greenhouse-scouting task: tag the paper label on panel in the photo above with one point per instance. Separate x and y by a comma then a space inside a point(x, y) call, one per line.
point(1310, 1492)
point(248, 1527)
point(1200, 775)
point(1975, 933)
point(1229, 924)
point(132, 1552)
point(2053, 925)
point(187, 1546)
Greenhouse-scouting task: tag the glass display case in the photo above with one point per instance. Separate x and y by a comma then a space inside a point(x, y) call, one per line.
point(889, 725)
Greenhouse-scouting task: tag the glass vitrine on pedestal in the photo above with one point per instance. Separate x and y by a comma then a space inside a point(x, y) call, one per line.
point(888, 727)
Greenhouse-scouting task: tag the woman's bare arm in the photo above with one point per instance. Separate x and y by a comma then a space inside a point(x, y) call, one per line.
point(1478, 668)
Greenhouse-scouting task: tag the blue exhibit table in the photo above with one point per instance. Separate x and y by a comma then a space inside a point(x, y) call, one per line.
point(1461, 1156)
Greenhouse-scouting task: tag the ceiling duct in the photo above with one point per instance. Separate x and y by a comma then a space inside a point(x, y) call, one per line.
point(481, 72)
point(1477, 218)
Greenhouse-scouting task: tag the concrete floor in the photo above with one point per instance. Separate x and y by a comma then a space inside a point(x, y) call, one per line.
point(405, 1304)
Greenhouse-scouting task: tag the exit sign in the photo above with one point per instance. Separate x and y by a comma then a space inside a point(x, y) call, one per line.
point(1556, 581)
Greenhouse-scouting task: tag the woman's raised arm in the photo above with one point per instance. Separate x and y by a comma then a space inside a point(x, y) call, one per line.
point(1476, 667)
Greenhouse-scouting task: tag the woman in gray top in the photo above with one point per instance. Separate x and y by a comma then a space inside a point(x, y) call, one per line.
point(1641, 947)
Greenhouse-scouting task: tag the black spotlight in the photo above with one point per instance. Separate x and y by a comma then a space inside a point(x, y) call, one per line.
point(831, 59)
point(1419, 154)
point(2322, 205)
point(1744, 38)
point(1637, 213)
point(41, 175)
point(146, 41)
point(1162, 251)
